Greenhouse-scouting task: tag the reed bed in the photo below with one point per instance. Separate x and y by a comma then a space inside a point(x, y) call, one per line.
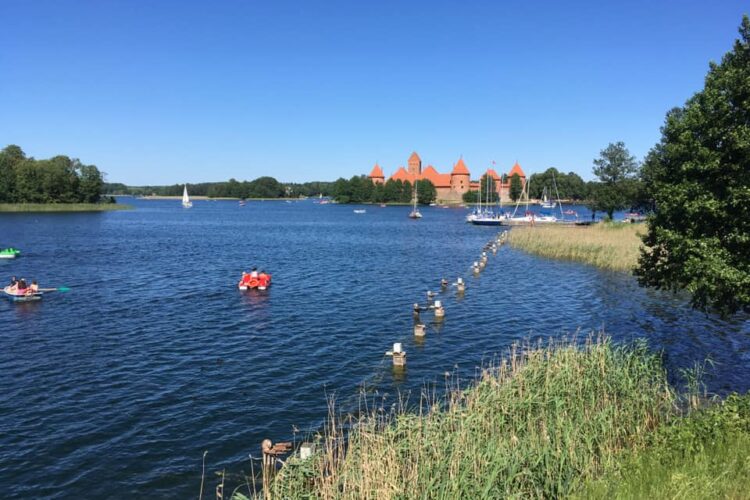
point(62, 207)
point(612, 246)
point(539, 423)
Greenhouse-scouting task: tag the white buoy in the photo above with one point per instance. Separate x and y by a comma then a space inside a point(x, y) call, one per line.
point(397, 348)
point(306, 450)
point(420, 330)
point(460, 285)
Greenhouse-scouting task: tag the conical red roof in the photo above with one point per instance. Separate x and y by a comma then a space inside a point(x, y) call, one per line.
point(516, 170)
point(460, 168)
point(377, 172)
point(414, 157)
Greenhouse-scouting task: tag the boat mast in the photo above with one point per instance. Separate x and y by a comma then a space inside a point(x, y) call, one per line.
point(557, 193)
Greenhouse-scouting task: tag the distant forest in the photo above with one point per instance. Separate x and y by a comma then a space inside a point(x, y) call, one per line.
point(57, 180)
point(262, 187)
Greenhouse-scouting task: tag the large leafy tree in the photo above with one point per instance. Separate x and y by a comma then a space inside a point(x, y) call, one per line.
point(699, 178)
point(426, 192)
point(617, 171)
point(516, 187)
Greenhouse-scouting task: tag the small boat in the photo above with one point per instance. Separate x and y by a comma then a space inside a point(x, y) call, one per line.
point(360, 211)
point(383, 205)
point(9, 253)
point(248, 283)
point(570, 212)
point(186, 203)
point(546, 203)
point(28, 296)
point(242, 203)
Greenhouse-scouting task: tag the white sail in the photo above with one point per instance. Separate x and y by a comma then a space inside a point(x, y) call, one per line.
point(185, 198)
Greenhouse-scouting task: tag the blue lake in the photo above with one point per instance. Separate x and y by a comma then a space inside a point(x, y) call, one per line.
point(117, 387)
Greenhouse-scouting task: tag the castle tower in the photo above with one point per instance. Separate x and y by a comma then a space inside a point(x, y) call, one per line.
point(376, 176)
point(460, 177)
point(415, 164)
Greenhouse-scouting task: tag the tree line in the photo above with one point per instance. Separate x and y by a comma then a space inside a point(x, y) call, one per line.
point(262, 187)
point(57, 180)
point(361, 189)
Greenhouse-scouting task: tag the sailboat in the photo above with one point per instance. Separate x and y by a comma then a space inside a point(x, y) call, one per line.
point(186, 203)
point(546, 203)
point(487, 217)
point(414, 214)
point(529, 217)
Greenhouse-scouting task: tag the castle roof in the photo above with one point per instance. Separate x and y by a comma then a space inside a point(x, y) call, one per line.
point(402, 175)
point(377, 172)
point(491, 172)
point(516, 170)
point(437, 179)
point(414, 157)
point(460, 168)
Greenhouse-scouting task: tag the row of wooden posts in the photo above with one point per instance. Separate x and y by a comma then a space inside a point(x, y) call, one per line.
point(271, 451)
point(420, 329)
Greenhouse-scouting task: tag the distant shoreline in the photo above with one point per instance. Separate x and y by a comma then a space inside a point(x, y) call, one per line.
point(62, 207)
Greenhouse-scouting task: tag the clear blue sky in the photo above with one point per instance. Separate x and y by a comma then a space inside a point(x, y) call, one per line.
point(156, 92)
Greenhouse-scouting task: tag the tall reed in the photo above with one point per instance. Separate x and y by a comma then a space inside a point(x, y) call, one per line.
point(540, 422)
point(608, 246)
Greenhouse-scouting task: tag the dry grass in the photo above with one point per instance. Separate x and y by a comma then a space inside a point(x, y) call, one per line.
point(541, 422)
point(608, 246)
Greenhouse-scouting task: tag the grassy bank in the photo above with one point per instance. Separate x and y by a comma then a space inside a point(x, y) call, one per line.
point(608, 246)
point(62, 207)
point(553, 421)
point(705, 455)
point(540, 424)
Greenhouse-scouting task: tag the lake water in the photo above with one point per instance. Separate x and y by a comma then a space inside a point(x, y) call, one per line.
point(117, 387)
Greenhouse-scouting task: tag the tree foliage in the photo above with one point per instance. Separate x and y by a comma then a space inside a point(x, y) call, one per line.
point(699, 178)
point(57, 180)
point(570, 185)
point(516, 187)
point(617, 171)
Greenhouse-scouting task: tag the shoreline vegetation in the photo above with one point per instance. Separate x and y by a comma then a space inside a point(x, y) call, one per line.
point(613, 246)
point(62, 207)
point(545, 421)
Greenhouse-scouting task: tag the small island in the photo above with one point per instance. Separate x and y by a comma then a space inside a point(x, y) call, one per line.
point(59, 184)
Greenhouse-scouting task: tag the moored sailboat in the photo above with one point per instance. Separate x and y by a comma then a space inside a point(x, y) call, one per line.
point(414, 214)
point(186, 203)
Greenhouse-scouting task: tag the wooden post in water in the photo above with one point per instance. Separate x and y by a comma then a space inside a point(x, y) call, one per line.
point(420, 330)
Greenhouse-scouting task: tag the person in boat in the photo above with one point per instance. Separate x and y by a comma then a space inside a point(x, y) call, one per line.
point(34, 288)
point(263, 279)
point(254, 273)
point(245, 280)
point(443, 283)
point(13, 281)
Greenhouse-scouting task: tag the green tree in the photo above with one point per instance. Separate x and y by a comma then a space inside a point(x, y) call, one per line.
point(516, 187)
point(470, 197)
point(91, 184)
point(342, 191)
point(426, 192)
point(391, 190)
point(616, 170)
point(699, 178)
point(406, 192)
point(489, 189)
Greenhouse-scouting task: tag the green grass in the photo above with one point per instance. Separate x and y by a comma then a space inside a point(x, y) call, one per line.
point(539, 424)
point(547, 421)
point(62, 207)
point(613, 246)
point(704, 455)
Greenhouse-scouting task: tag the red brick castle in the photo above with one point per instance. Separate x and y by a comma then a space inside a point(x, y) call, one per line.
point(450, 187)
